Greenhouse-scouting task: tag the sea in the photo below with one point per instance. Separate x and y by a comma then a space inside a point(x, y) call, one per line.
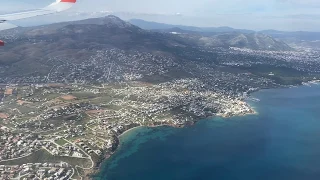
point(281, 142)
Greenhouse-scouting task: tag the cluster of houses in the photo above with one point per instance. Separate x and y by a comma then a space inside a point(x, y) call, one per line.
point(174, 102)
point(37, 171)
point(17, 145)
point(64, 150)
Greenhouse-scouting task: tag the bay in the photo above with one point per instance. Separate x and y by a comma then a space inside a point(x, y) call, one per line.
point(281, 142)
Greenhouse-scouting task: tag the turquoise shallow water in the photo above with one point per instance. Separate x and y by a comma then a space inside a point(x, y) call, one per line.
point(281, 143)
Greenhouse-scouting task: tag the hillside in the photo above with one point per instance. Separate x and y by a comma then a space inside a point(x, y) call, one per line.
point(218, 36)
point(160, 26)
point(255, 41)
point(109, 49)
point(294, 38)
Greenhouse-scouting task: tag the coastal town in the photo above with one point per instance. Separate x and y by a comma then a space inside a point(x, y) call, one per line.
point(38, 171)
point(63, 108)
point(64, 131)
point(65, 124)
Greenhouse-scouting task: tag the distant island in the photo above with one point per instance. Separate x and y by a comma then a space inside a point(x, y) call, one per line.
point(69, 90)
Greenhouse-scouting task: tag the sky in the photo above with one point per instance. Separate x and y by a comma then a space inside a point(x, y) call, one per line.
point(289, 15)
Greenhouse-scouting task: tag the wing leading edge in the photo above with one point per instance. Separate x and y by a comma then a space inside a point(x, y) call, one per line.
point(58, 6)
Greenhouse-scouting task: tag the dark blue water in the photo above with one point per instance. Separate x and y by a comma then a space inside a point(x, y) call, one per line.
point(281, 143)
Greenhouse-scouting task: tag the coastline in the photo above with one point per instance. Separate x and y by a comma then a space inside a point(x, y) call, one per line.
point(127, 131)
point(252, 111)
point(185, 124)
point(237, 133)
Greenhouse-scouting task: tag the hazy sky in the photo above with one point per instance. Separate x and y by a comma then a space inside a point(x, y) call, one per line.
point(250, 14)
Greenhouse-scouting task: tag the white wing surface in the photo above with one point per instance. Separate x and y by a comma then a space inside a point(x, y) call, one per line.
point(58, 6)
point(4, 26)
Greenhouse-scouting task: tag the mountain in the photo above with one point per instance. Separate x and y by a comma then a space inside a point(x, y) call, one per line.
point(299, 35)
point(158, 26)
point(109, 49)
point(34, 51)
point(297, 38)
point(111, 31)
point(218, 37)
point(255, 41)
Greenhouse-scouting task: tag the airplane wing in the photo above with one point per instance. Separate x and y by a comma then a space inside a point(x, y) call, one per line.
point(58, 6)
point(4, 26)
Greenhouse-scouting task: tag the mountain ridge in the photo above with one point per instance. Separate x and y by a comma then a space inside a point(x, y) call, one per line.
point(112, 25)
point(149, 25)
point(109, 49)
point(295, 38)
